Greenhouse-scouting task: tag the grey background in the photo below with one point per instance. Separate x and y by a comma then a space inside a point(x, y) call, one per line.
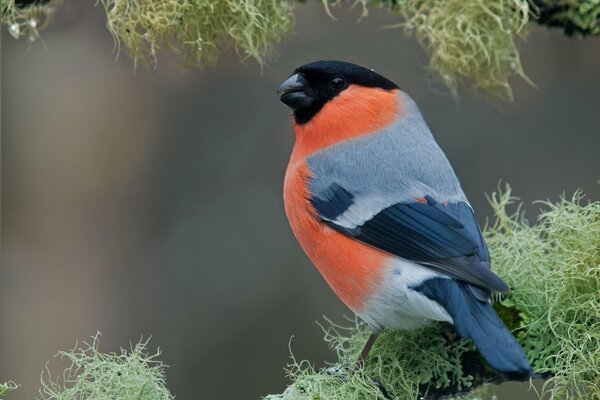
point(150, 203)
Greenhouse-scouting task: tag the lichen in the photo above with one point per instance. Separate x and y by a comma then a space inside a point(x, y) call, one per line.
point(7, 387)
point(474, 39)
point(398, 365)
point(466, 39)
point(197, 29)
point(552, 266)
point(26, 18)
point(130, 374)
point(470, 39)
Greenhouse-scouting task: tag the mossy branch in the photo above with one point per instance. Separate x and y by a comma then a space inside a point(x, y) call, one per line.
point(466, 39)
point(552, 266)
point(553, 310)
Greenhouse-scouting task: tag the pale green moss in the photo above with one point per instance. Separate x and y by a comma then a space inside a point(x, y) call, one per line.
point(554, 268)
point(130, 374)
point(197, 29)
point(466, 39)
point(554, 310)
point(400, 362)
point(6, 388)
point(472, 39)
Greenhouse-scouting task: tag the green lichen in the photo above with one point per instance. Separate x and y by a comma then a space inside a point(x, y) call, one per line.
point(466, 40)
point(7, 387)
point(26, 18)
point(398, 365)
point(130, 374)
point(470, 39)
point(197, 29)
point(553, 267)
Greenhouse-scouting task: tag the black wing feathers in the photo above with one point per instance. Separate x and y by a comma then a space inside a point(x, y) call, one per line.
point(332, 202)
point(446, 238)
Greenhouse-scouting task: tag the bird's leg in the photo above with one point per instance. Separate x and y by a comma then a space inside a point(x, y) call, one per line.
point(363, 358)
point(365, 351)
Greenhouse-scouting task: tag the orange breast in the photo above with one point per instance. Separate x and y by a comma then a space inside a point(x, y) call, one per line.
point(355, 112)
point(352, 269)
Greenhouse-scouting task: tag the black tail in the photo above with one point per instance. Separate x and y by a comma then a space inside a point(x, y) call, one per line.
point(475, 319)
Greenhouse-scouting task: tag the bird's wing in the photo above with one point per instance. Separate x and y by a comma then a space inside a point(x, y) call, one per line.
point(443, 236)
point(395, 190)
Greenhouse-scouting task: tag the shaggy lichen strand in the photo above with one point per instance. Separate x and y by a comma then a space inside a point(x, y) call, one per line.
point(554, 267)
point(197, 29)
point(554, 310)
point(25, 20)
point(132, 374)
point(466, 39)
point(6, 388)
point(470, 39)
point(400, 365)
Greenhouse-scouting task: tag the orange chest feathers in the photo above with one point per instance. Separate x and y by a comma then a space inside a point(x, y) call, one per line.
point(352, 269)
point(355, 112)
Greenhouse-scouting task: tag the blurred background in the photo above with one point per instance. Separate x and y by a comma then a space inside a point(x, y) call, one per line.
point(150, 202)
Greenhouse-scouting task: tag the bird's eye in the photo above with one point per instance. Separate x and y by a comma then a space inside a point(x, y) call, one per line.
point(337, 83)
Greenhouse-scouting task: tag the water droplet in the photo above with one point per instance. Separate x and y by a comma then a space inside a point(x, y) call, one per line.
point(14, 30)
point(513, 65)
point(32, 22)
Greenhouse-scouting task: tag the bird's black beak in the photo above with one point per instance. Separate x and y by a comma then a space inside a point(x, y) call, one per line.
point(293, 94)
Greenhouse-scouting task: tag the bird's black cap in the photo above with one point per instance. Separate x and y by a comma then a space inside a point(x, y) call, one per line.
point(312, 85)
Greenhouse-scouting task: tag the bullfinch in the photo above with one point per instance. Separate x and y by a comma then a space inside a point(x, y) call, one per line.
point(377, 207)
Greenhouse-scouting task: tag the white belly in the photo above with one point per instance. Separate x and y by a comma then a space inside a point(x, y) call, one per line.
point(396, 306)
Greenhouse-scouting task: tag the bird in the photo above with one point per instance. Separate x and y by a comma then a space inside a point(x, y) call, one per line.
point(377, 207)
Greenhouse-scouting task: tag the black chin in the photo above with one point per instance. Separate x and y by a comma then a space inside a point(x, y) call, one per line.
point(304, 106)
point(296, 100)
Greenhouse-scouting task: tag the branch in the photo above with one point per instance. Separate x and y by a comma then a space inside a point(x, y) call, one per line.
point(467, 40)
point(553, 310)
